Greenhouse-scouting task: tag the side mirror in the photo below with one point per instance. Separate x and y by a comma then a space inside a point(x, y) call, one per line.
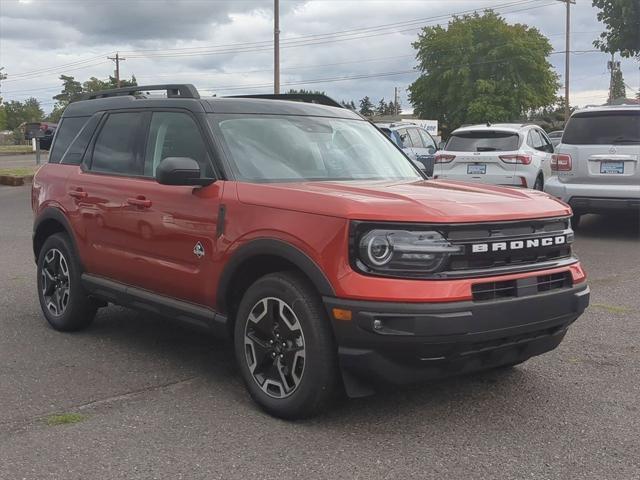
point(180, 171)
point(431, 149)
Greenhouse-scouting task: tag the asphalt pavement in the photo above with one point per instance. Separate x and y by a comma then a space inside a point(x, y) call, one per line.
point(148, 398)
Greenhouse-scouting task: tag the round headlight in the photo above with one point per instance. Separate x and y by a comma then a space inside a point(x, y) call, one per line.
point(379, 249)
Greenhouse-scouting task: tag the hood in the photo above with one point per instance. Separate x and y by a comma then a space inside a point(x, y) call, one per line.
point(423, 201)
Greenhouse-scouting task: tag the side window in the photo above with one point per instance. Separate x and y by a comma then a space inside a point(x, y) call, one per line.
point(75, 152)
point(66, 132)
point(404, 137)
point(116, 148)
point(415, 137)
point(175, 134)
point(547, 146)
point(426, 139)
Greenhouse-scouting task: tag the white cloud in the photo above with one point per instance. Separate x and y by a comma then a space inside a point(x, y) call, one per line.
point(81, 34)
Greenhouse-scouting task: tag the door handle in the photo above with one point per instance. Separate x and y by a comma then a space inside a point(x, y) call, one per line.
point(78, 193)
point(139, 201)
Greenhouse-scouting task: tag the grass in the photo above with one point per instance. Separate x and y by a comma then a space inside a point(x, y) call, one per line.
point(15, 148)
point(64, 419)
point(18, 171)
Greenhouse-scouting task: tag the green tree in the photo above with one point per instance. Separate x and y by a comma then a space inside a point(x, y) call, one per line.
point(366, 107)
point(71, 91)
point(382, 108)
point(618, 89)
point(481, 69)
point(3, 118)
point(622, 21)
point(18, 113)
point(302, 91)
point(350, 105)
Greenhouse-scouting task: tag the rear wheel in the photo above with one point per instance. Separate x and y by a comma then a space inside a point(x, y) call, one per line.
point(64, 302)
point(285, 348)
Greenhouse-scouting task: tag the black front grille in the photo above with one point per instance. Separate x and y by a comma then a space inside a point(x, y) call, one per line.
point(522, 287)
point(509, 244)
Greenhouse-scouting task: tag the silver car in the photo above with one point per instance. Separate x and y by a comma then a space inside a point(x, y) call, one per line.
point(597, 163)
point(415, 141)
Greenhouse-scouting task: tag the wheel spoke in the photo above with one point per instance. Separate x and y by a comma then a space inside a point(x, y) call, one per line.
point(274, 347)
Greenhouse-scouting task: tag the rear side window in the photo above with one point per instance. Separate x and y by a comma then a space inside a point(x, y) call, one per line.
point(75, 152)
point(68, 128)
point(117, 148)
point(483, 141)
point(603, 128)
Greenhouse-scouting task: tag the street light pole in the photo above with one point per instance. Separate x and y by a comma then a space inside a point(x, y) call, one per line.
point(276, 47)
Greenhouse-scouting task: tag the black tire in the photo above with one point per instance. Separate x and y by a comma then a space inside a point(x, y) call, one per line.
point(78, 311)
point(539, 184)
point(318, 379)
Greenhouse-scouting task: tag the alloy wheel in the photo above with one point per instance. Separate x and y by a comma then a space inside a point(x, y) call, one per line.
point(56, 282)
point(274, 347)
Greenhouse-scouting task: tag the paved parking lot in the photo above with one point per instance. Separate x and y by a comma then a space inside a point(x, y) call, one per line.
point(156, 400)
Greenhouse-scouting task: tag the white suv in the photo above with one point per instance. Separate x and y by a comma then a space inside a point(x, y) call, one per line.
point(499, 154)
point(598, 161)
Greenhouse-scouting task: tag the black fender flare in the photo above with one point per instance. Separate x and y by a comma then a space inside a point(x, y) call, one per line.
point(53, 213)
point(277, 248)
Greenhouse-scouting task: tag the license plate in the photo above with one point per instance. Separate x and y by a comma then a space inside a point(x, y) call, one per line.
point(477, 169)
point(612, 167)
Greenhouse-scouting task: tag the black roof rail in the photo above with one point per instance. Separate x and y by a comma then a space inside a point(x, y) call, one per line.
point(178, 90)
point(296, 97)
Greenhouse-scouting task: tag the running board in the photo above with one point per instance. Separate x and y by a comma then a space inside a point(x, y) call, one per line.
point(139, 299)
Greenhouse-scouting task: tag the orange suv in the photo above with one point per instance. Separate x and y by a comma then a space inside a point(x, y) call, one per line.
point(301, 232)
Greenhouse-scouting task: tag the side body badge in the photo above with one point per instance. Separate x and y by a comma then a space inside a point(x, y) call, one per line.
point(198, 250)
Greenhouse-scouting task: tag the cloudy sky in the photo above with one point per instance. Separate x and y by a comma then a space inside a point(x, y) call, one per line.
point(346, 48)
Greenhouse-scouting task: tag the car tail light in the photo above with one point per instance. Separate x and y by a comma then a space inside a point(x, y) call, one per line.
point(560, 162)
point(521, 159)
point(444, 158)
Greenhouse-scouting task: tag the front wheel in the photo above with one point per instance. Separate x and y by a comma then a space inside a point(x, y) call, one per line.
point(285, 348)
point(64, 302)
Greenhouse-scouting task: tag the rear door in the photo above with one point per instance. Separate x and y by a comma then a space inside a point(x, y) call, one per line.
point(604, 147)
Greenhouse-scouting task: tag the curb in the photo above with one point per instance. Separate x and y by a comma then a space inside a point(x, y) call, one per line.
point(14, 180)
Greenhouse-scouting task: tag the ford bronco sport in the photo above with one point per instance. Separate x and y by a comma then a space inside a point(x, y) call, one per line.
point(304, 234)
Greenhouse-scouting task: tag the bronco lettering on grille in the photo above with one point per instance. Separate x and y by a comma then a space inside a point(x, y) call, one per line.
point(518, 244)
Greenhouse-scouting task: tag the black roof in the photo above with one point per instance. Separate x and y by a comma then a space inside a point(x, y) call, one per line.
point(187, 97)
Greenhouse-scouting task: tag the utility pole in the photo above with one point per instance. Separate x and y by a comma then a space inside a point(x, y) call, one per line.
point(117, 59)
point(276, 47)
point(395, 101)
point(567, 53)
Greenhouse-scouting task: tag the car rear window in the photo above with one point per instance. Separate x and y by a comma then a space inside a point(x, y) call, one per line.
point(603, 128)
point(483, 141)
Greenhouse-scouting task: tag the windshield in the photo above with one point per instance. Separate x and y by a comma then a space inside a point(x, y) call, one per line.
point(279, 148)
point(483, 141)
point(603, 128)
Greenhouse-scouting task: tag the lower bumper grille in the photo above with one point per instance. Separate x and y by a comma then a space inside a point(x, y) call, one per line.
point(521, 287)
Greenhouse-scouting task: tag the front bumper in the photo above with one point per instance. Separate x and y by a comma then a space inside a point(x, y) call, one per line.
point(402, 343)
